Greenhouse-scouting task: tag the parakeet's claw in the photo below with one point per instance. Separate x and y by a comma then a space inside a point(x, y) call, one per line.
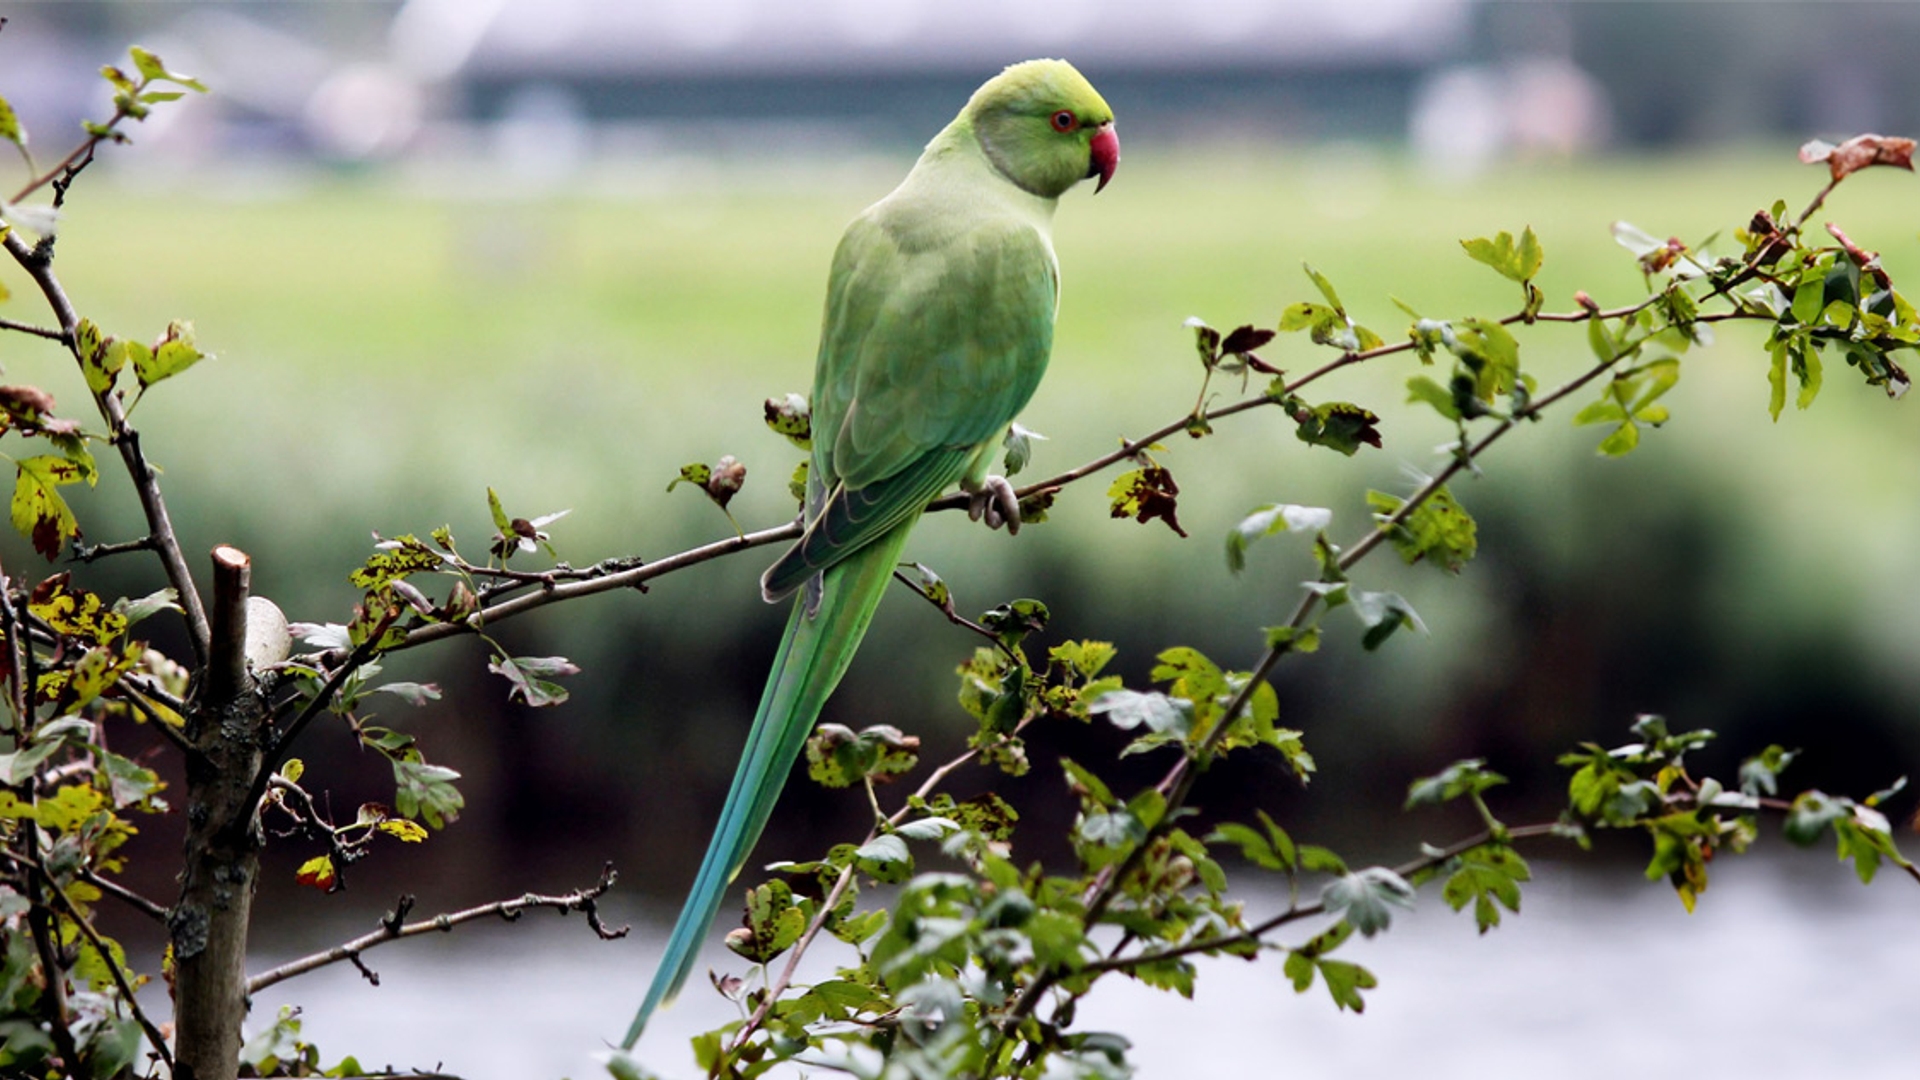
point(995, 501)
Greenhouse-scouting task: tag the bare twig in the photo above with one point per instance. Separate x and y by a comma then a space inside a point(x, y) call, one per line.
point(37, 331)
point(393, 928)
point(120, 980)
point(86, 553)
point(623, 579)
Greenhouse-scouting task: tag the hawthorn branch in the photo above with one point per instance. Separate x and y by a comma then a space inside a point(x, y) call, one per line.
point(37, 331)
point(73, 913)
point(840, 885)
point(146, 484)
point(394, 928)
point(631, 578)
point(1253, 934)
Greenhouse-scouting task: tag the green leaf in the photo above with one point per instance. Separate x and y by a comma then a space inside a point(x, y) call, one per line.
point(1129, 709)
point(1812, 812)
point(1345, 981)
point(1326, 287)
point(791, 416)
point(1806, 368)
point(38, 510)
point(425, 791)
point(774, 921)
point(1489, 878)
point(1382, 613)
point(1367, 898)
point(500, 519)
point(1086, 658)
point(1439, 529)
point(1777, 381)
point(1112, 829)
point(837, 756)
point(1760, 774)
point(1490, 352)
point(1019, 448)
point(797, 484)
point(1269, 520)
point(152, 70)
point(172, 354)
point(530, 677)
point(1085, 784)
point(1206, 341)
point(1468, 777)
point(1421, 389)
point(884, 859)
point(1338, 425)
point(1304, 315)
point(1517, 262)
point(10, 128)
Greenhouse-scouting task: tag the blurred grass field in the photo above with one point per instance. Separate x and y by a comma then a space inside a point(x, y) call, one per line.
point(388, 347)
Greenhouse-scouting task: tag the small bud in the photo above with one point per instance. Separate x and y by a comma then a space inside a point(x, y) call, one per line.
point(1586, 302)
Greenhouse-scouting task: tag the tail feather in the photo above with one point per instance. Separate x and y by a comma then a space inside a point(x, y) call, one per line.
point(813, 655)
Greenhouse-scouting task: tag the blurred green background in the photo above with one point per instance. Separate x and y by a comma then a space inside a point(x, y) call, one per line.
point(398, 329)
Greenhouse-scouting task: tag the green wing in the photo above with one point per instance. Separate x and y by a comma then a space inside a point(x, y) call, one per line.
point(932, 345)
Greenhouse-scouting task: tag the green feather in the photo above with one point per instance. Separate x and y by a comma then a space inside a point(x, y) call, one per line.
point(813, 655)
point(938, 323)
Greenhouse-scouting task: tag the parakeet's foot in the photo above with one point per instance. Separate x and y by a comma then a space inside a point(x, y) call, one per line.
point(995, 501)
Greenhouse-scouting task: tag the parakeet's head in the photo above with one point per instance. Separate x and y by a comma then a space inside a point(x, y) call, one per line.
point(1045, 127)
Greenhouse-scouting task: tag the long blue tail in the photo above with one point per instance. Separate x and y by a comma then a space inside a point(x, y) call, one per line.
point(812, 657)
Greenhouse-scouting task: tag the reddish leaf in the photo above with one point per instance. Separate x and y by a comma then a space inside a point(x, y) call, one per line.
point(1860, 152)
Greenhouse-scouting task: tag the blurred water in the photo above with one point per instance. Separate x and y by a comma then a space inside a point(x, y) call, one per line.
point(1788, 969)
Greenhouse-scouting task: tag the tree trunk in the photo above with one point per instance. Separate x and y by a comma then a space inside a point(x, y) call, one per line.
point(208, 927)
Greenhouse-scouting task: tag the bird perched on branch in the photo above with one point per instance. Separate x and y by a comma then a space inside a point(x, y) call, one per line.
point(938, 324)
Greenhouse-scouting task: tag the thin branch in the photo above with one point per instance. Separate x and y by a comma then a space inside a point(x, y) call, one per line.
point(18, 650)
point(275, 753)
point(393, 928)
point(145, 482)
point(127, 896)
point(37, 331)
point(840, 885)
point(624, 579)
point(62, 174)
point(86, 553)
point(946, 608)
point(154, 1037)
point(1253, 934)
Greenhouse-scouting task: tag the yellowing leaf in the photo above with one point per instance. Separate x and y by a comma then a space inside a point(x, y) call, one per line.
point(317, 872)
point(172, 354)
point(401, 829)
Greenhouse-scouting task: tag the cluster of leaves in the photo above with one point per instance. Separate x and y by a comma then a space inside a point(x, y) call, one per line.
point(72, 673)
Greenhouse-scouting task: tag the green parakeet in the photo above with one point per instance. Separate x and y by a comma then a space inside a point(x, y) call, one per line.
point(938, 323)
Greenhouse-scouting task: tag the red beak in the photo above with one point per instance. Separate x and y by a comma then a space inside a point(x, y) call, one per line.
point(1105, 155)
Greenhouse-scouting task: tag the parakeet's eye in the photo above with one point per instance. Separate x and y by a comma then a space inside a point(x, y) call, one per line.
point(1064, 121)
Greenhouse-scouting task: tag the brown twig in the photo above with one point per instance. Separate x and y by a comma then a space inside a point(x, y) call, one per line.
point(393, 928)
point(37, 331)
point(120, 980)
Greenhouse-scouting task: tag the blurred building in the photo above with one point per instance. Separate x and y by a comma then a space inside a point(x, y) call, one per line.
point(541, 86)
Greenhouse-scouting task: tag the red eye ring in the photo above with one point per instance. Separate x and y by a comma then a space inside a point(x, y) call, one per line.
point(1064, 121)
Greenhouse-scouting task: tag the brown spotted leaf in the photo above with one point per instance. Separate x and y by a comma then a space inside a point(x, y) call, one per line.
point(1145, 494)
point(1860, 152)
